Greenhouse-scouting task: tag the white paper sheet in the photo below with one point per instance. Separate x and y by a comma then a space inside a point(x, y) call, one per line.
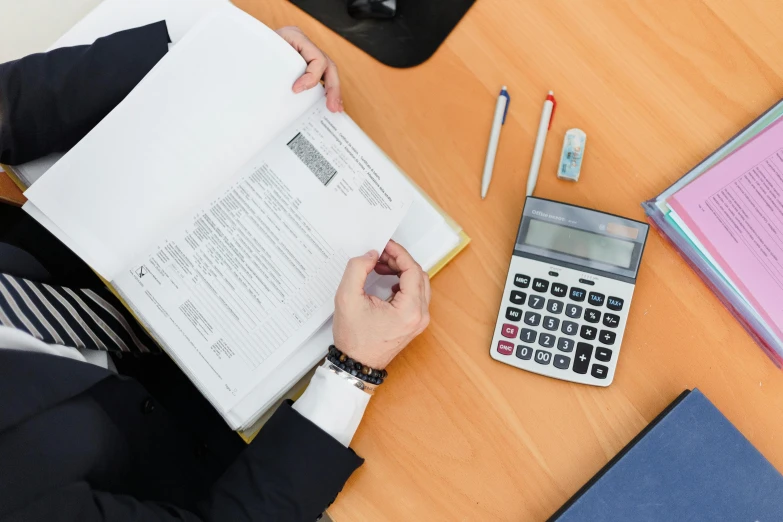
point(166, 152)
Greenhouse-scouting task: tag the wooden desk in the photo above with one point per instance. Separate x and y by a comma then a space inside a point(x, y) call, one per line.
point(657, 86)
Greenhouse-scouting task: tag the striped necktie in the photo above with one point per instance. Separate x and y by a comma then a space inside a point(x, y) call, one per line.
point(92, 319)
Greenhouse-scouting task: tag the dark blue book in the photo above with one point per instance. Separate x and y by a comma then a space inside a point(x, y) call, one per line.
point(690, 464)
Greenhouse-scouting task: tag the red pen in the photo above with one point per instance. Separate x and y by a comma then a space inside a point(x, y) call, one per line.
point(547, 115)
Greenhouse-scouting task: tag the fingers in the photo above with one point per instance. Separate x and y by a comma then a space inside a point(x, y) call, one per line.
point(355, 275)
point(334, 100)
point(319, 65)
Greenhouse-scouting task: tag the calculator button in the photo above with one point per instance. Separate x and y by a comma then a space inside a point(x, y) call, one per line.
point(532, 318)
point(551, 323)
point(561, 361)
point(513, 314)
point(565, 345)
point(607, 337)
point(599, 371)
point(603, 354)
point(611, 320)
point(528, 335)
point(614, 303)
point(536, 302)
point(592, 315)
point(578, 294)
point(573, 311)
point(559, 290)
point(517, 297)
point(543, 357)
point(522, 281)
point(588, 332)
point(524, 352)
point(510, 331)
point(587, 282)
point(553, 273)
point(582, 359)
point(505, 348)
point(546, 340)
point(570, 328)
point(554, 306)
point(596, 299)
point(540, 285)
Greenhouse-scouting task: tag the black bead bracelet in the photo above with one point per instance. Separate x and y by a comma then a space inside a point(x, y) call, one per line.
point(355, 368)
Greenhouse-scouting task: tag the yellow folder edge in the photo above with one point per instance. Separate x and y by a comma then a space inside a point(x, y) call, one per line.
point(298, 389)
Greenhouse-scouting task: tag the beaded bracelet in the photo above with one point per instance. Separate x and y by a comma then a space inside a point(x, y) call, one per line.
point(355, 368)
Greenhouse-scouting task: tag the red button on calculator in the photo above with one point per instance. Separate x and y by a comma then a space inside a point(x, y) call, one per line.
point(510, 331)
point(505, 348)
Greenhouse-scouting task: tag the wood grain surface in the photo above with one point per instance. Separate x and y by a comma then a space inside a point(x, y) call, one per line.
point(656, 85)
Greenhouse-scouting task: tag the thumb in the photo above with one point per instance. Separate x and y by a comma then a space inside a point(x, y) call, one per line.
point(356, 273)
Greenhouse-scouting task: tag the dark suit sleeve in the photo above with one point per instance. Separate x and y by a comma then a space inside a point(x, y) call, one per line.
point(290, 473)
point(50, 101)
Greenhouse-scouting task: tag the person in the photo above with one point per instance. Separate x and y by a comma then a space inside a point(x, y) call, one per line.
point(126, 437)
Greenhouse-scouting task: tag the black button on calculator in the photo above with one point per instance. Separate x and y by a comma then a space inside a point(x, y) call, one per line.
point(532, 318)
point(588, 332)
point(596, 299)
point(521, 281)
point(543, 357)
point(603, 354)
point(524, 352)
point(607, 337)
point(536, 302)
point(559, 289)
point(611, 320)
point(578, 294)
point(615, 303)
point(561, 361)
point(592, 316)
point(513, 314)
point(573, 311)
point(546, 340)
point(599, 371)
point(554, 306)
point(540, 285)
point(517, 297)
point(565, 345)
point(582, 359)
point(528, 335)
point(551, 323)
point(570, 328)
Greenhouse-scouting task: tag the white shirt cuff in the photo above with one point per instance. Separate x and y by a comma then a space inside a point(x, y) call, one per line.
point(333, 404)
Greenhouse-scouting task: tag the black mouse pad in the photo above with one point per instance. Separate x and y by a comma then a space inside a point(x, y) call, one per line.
point(407, 40)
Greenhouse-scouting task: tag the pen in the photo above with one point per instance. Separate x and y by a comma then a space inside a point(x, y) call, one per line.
point(547, 114)
point(501, 110)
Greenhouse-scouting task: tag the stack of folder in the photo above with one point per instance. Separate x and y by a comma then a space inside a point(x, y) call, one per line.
point(728, 206)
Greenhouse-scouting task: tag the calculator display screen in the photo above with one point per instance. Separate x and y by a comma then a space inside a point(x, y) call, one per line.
point(580, 243)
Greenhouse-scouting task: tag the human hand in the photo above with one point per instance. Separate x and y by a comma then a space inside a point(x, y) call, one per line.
point(370, 330)
point(318, 66)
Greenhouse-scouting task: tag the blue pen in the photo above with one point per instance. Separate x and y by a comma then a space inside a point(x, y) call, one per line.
point(501, 110)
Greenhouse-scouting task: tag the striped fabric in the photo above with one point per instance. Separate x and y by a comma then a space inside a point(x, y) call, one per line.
point(74, 318)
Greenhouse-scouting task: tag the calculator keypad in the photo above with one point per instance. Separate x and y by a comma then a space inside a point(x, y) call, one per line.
point(567, 325)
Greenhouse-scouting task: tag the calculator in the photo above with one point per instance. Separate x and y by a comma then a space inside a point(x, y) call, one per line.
point(568, 291)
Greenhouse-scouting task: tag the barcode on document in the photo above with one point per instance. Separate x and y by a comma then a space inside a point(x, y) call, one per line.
point(313, 159)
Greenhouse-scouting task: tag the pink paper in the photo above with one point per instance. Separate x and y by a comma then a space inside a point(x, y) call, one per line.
point(736, 210)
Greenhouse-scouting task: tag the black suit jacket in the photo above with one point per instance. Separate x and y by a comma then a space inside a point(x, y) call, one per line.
point(79, 443)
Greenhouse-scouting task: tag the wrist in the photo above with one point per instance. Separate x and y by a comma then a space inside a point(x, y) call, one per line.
point(355, 367)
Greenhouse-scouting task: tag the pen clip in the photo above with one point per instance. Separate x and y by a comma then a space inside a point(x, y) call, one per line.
point(504, 92)
point(551, 97)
